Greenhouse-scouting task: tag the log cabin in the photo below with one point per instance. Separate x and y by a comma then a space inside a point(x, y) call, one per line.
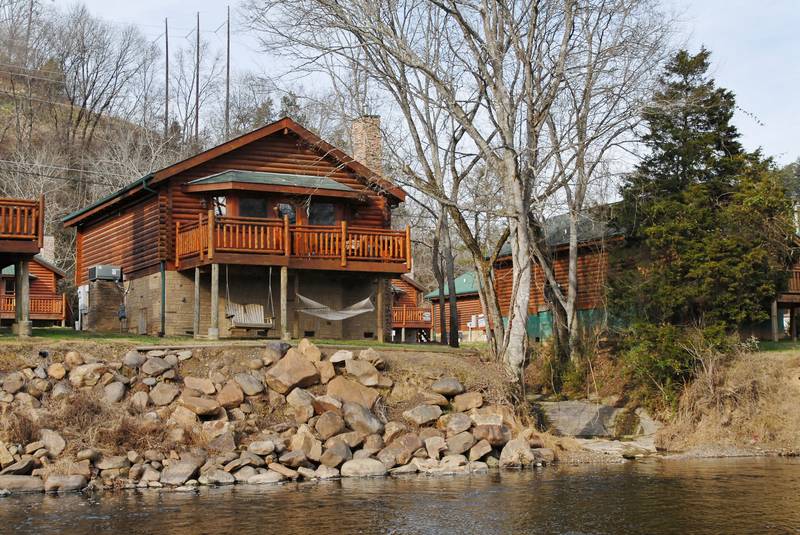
point(21, 238)
point(48, 305)
point(471, 319)
point(411, 317)
point(273, 230)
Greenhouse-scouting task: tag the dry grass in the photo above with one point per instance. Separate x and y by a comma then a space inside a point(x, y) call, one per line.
point(750, 401)
point(17, 427)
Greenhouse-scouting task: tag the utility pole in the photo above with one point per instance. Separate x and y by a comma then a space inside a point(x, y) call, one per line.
point(166, 79)
point(197, 85)
point(228, 78)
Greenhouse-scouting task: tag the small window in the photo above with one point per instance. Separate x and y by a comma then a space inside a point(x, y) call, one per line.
point(285, 209)
point(322, 213)
point(220, 206)
point(253, 207)
point(309, 334)
point(10, 286)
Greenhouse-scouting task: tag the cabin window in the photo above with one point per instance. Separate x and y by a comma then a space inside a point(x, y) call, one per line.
point(10, 286)
point(253, 207)
point(286, 209)
point(220, 206)
point(321, 213)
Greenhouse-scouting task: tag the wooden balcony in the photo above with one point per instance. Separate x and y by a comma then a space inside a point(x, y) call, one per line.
point(42, 308)
point(21, 226)
point(262, 241)
point(412, 317)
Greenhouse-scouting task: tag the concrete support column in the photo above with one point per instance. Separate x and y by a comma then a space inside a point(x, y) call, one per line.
point(23, 326)
point(196, 316)
point(402, 335)
point(296, 316)
point(793, 323)
point(284, 303)
point(213, 330)
point(774, 315)
point(380, 312)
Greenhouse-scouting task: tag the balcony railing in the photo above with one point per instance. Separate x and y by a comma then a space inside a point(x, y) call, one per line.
point(211, 234)
point(794, 282)
point(419, 317)
point(49, 308)
point(22, 220)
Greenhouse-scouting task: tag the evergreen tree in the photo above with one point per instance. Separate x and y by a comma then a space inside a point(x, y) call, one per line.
point(708, 222)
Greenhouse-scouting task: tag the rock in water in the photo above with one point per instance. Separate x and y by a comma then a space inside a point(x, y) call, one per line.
point(360, 419)
point(21, 483)
point(291, 371)
point(267, 478)
point(177, 473)
point(516, 452)
point(447, 386)
point(72, 483)
point(422, 414)
point(363, 468)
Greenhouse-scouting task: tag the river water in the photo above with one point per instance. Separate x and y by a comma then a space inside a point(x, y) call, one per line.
point(653, 497)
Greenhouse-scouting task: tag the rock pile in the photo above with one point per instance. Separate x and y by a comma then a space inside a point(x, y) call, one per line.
point(293, 414)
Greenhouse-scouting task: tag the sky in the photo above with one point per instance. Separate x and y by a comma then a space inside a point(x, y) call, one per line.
point(755, 48)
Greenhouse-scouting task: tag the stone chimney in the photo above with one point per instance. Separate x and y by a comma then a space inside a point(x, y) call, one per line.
point(48, 251)
point(367, 146)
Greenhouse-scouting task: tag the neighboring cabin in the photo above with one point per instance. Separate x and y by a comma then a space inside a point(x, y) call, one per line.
point(471, 319)
point(275, 229)
point(411, 317)
point(47, 302)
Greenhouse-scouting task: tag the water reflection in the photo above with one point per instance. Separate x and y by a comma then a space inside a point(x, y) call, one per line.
point(702, 496)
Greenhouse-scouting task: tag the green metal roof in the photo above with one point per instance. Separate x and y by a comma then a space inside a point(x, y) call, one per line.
point(464, 284)
point(273, 179)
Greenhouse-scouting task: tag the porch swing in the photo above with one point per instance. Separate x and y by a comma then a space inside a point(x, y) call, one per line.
point(250, 316)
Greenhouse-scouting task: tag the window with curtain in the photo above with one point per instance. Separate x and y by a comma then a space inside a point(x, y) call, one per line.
point(253, 207)
point(322, 213)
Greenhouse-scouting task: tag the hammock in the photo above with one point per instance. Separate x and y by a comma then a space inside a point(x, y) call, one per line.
point(312, 308)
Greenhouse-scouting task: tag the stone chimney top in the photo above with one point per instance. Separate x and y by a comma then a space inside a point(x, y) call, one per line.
point(48, 251)
point(367, 146)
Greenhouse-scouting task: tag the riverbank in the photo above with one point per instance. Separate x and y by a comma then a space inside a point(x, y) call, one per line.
point(228, 414)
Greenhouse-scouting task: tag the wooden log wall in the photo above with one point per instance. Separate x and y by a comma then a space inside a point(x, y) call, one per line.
point(134, 238)
point(410, 296)
point(592, 272)
point(467, 306)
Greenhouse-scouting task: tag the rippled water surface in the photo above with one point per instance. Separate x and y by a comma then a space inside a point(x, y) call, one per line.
point(698, 496)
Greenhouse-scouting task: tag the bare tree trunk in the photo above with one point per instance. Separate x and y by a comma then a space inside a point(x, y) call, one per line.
point(450, 273)
point(439, 276)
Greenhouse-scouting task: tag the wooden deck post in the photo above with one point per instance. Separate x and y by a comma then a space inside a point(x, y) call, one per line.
point(774, 315)
point(177, 238)
point(408, 248)
point(380, 312)
point(40, 223)
point(296, 316)
point(287, 238)
point(284, 303)
point(196, 317)
point(211, 233)
point(213, 330)
point(793, 323)
point(344, 243)
point(23, 326)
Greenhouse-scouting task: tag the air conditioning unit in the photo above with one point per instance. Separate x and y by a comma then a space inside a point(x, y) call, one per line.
point(105, 273)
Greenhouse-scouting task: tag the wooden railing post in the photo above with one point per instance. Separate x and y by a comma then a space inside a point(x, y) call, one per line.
point(199, 235)
point(344, 243)
point(63, 308)
point(177, 244)
point(287, 243)
point(40, 223)
point(408, 247)
point(211, 233)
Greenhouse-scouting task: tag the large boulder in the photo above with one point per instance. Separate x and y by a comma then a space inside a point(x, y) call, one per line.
point(250, 385)
point(455, 423)
point(337, 453)
point(53, 442)
point(581, 418)
point(423, 414)
point(447, 386)
point(343, 355)
point(200, 406)
point(266, 478)
point(359, 418)
point(329, 424)
point(163, 394)
point(465, 402)
point(231, 395)
point(133, 359)
point(400, 450)
point(200, 384)
point(460, 443)
point(154, 366)
point(363, 468)
point(114, 392)
point(13, 382)
point(364, 372)
point(371, 356)
point(517, 452)
point(309, 350)
point(22, 483)
point(71, 483)
point(291, 371)
point(351, 391)
point(86, 374)
point(496, 435)
point(179, 472)
point(479, 450)
point(56, 371)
